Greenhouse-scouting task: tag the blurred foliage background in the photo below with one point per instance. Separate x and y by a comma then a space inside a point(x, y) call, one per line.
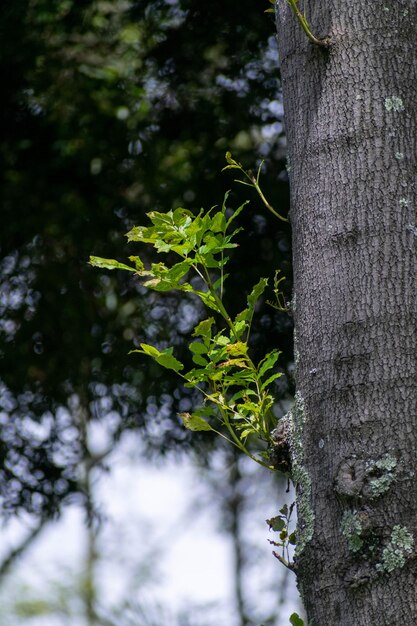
point(110, 110)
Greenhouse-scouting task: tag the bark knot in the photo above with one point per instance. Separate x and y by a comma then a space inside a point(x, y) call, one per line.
point(365, 479)
point(279, 452)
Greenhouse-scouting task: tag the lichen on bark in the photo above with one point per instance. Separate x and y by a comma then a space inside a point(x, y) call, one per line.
point(351, 528)
point(300, 476)
point(398, 550)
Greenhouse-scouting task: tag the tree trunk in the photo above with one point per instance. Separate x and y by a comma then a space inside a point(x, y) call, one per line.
point(351, 119)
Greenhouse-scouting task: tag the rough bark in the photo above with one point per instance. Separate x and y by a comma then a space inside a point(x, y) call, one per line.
point(351, 120)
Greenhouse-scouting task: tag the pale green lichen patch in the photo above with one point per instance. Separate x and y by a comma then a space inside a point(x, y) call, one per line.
point(300, 475)
point(385, 468)
point(404, 202)
point(387, 463)
point(351, 528)
point(399, 549)
point(399, 156)
point(394, 103)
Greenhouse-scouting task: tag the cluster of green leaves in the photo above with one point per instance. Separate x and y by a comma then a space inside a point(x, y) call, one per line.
point(236, 391)
point(110, 109)
point(281, 524)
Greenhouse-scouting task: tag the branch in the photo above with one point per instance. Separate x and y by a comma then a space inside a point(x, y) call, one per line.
point(306, 26)
point(14, 554)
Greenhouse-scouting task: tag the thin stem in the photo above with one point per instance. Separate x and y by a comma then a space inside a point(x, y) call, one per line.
point(265, 201)
point(219, 302)
point(15, 553)
point(286, 563)
point(306, 27)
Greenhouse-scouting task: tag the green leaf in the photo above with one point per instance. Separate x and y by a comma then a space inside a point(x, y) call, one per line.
point(167, 360)
point(239, 348)
point(142, 234)
point(178, 270)
point(212, 244)
point(245, 433)
point(203, 329)
point(195, 376)
point(244, 315)
point(232, 164)
point(183, 249)
point(182, 218)
point(207, 299)
point(270, 380)
point(157, 284)
point(164, 358)
point(199, 360)
point(138, 263)
point(268, 362)
point(240, 327)
point(243, 393)
point(296, 620)
point(149, 350)
point(109, 264)
point(276, 524)
point(257, 291)
point(198, 348)
point(249, 407)
point(194, 422)
point(220, 281)
point(162, 220)
point(221, 340)
point(218, 223)
point(235, 214)
point(234, 363)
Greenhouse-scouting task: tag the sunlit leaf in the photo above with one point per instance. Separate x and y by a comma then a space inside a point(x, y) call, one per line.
point(268, 362)
point(149, 350)
point(235, 363)
point(194, 422)
point(221, 340)
point(245, 433)
point(141, 233)
point(164, 357)
point(138, 263)
point(237, 349)
point(257, 291)
point(167, 360)
point(270, 380)
point(203, 329)
point(236, 213)
point(218, 223)
point(109, 264)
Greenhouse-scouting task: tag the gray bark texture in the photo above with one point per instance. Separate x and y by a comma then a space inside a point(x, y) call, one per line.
point(351, 121)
